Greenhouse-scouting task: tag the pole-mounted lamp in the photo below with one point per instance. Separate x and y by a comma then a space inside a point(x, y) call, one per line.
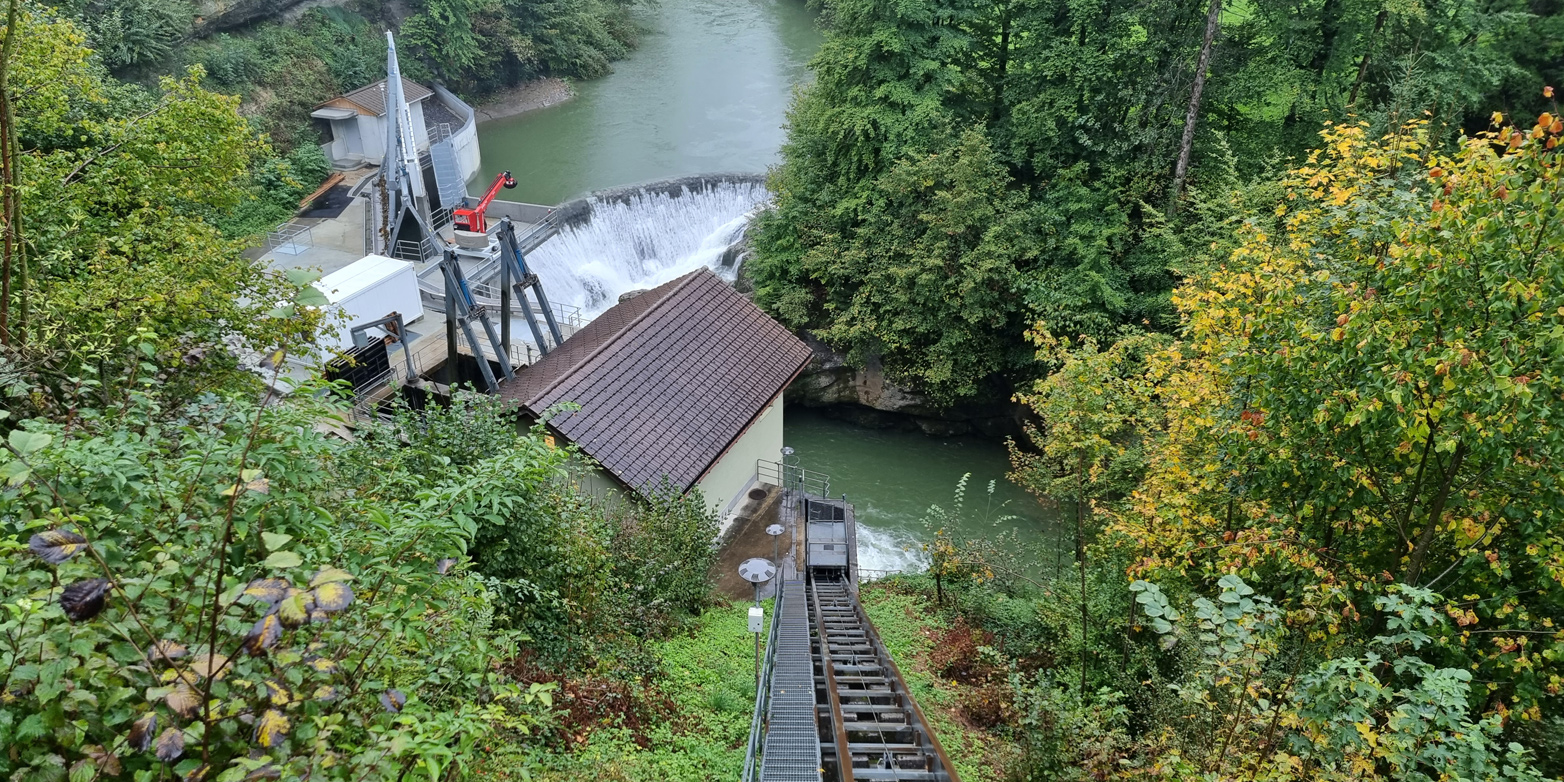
point(757, 571)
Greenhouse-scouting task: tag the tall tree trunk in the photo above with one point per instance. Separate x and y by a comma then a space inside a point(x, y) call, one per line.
point(1002, 65)
point(1330, 24)
point(1363, 64)
point(1186, 145)
point(10, 209)
point(1436, 510)
point(1080, 561)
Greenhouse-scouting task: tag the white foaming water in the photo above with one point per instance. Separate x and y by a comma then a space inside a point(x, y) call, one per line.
point(644, 241)
point(880, 549)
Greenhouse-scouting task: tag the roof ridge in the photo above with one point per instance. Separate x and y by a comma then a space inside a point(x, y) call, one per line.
point(636, 321)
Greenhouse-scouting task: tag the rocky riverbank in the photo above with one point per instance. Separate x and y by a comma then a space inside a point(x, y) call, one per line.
point(864, 397)
point(534, 95)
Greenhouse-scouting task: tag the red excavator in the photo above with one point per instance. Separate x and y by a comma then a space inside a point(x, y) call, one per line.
point(471, 218)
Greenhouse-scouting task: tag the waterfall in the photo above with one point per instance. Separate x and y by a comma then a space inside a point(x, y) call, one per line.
point(644, 237)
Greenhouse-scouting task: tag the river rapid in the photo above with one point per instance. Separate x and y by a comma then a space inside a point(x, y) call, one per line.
point(707, 92)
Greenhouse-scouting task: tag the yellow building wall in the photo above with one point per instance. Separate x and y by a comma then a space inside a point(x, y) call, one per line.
point(728, 479)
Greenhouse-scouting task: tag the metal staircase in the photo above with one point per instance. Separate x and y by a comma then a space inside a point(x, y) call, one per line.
point(450, 186)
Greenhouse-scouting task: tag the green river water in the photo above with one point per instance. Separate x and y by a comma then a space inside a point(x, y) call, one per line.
point(707, 92)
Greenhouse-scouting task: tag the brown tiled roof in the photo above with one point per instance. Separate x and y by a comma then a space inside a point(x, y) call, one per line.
point(666, 381)
point(371, 99)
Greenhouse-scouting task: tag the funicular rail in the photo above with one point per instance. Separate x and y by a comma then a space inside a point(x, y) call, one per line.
point(870, 727)
point(856, 719)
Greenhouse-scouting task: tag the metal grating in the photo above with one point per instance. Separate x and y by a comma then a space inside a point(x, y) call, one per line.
point(792, 751)
point(447, 175)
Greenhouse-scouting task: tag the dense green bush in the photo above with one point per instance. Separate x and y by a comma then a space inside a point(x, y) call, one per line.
point(196, 587)
point(276, 187)
point(584, 578)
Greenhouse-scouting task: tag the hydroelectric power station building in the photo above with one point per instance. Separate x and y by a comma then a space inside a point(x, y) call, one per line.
point(683, 381)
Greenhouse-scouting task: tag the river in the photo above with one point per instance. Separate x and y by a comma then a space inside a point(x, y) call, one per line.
point(707, 92)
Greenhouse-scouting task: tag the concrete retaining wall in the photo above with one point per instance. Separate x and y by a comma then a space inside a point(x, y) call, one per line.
point(465, 139)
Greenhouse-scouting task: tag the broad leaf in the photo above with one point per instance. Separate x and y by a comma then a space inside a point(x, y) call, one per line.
point(333, 597)
point(27, 443)
point(184, 700)
point(139, 739)
point(284, 559)
point(83, 600)
point(56, 545)
point(271, 729)
point(263, 634)
point(393, 700)
point(170, 745)
point(330, 575)
point(268, 590)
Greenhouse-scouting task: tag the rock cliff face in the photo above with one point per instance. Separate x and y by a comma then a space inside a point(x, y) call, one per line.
point(215, 16)
point(865, 397)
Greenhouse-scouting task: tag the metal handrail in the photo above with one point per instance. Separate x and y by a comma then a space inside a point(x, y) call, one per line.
point(762, 697)
point(865, 576)
point(791, 476)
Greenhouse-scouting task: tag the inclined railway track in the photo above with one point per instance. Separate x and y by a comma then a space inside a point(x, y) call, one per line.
point(833, 707)
point(870, 727)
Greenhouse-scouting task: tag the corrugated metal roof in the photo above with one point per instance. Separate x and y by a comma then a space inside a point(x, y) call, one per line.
point(371, 99)
point(666, 381)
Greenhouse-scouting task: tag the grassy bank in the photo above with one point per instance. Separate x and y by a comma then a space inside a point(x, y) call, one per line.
point(704, 693)
point(913, 630)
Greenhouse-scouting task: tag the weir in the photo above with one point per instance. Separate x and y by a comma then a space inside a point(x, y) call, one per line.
point(831, 705)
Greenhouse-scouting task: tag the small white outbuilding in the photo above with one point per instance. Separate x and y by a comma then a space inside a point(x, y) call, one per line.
point(367, 289)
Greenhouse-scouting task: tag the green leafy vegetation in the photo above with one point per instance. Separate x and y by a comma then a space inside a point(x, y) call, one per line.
point(1334, 494)
point(924, 643)
point(283, 69)
point(958, 172)
point(707, 678)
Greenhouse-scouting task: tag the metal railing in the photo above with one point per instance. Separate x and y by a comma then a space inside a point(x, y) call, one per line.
point(365, 402)
point(421, 251)
point(757, 732)
point(523, 354)
point(290, 239)
point(791, 476)
point(865, 576)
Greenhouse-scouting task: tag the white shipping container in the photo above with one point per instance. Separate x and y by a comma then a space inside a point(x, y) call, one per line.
point(368, 289)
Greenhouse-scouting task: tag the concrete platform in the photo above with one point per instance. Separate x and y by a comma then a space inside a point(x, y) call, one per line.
point(746, 538)
point(331, 243)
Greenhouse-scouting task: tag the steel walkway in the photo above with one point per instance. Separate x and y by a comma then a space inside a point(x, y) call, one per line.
point(792, 738)
point(837, 710)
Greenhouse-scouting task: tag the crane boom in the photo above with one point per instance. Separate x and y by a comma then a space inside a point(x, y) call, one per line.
point(472, 218)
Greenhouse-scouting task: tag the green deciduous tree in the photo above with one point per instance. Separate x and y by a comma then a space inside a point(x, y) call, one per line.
point(120, 187)
point(1370, 396)
point(1110, 122)
point(1092, 414)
